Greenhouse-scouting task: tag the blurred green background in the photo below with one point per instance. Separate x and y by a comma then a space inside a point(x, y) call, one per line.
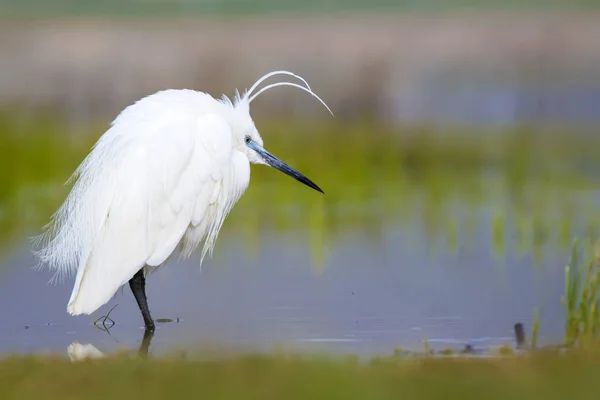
point(499, 106)
point(30, 8)
point(470, 127)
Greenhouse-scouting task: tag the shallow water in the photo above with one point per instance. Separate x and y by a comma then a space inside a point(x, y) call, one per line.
point(367, 298)
point(446, 242)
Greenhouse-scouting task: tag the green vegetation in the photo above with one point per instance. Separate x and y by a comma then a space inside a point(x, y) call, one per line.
point(581, 301)
point(147, 8)
point(36, 158)
point(535, 328)
point(524, 184)
point(544, 376)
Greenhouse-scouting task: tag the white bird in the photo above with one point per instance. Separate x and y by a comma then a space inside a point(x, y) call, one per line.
point(162, 178)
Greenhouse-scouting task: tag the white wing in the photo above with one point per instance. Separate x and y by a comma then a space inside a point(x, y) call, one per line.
point(147, 179)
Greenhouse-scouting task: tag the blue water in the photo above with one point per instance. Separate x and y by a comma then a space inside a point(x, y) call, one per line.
point(368, 297)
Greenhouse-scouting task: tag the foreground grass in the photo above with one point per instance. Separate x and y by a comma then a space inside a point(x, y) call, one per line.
point(546, 376)
point(581, 299)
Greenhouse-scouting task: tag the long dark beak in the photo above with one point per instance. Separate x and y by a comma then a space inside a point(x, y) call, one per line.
point(283, 167)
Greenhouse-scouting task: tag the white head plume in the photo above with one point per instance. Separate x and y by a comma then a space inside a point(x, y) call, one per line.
point(248, 97)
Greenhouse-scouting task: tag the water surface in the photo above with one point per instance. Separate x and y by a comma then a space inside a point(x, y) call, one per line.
point(366, 298)
point(448, 242)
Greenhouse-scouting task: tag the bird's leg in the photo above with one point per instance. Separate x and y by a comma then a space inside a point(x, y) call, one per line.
point(138, 287)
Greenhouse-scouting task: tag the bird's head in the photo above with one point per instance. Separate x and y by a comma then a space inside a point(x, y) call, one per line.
point(245, 135)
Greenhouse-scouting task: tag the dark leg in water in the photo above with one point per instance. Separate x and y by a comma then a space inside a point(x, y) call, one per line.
point(138, 287)
point(143, 351)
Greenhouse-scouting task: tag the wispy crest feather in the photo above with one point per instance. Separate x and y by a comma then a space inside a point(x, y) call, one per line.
point(249, 95)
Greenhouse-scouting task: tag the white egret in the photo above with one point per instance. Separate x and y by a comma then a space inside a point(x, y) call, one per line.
point(160, 180)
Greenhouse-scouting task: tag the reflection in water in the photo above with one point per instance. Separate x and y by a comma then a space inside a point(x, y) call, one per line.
point(143, 351)
point(81, 352)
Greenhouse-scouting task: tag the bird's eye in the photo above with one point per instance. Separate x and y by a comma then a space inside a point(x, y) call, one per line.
point(247, 139)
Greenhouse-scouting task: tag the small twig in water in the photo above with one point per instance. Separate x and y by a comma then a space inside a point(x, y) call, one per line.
point(105, 318)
